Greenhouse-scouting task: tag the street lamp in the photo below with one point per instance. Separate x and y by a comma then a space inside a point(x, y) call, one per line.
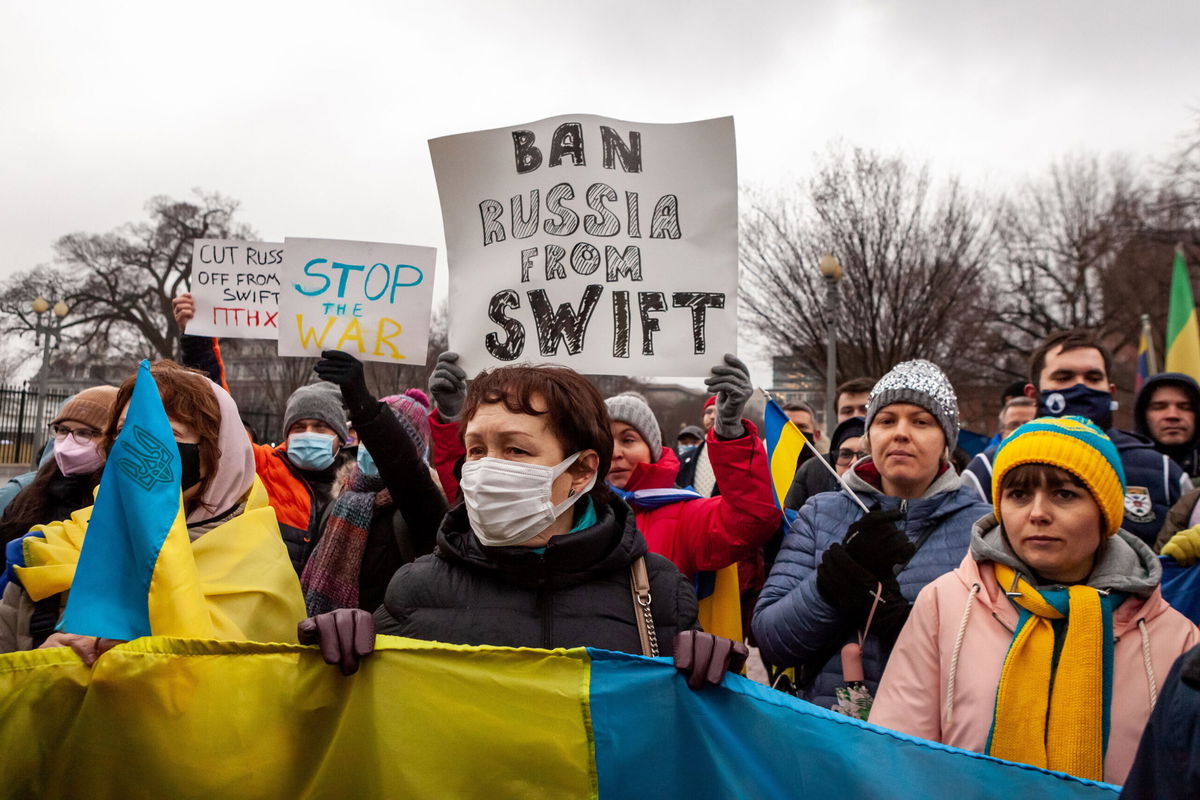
point(49, 335)
point(832, 271)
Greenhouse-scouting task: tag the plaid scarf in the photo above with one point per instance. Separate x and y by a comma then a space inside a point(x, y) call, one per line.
point(330, 578)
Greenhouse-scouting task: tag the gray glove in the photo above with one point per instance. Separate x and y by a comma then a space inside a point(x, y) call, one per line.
point(448, 386)
point(730, 381)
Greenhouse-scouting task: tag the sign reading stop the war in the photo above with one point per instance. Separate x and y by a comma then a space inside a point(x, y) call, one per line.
point(235, 286)
point(607, 246)
point(369, 299)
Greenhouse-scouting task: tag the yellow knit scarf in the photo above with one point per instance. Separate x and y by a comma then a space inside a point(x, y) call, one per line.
point(1061, 729)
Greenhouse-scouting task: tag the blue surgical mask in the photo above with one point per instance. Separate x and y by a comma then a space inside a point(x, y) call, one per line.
point(684, 449)
point(366, 464)
point(311, 451)
point(1078, 401)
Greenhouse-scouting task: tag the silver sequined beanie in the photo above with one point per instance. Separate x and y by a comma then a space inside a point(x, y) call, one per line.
point(920, 383)
point(632, 409)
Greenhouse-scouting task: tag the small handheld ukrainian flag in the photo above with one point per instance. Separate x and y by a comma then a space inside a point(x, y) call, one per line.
point(136, 574)
point(784, 445)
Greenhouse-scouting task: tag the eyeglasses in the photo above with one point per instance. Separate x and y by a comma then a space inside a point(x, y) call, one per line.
point(80, 435)
point(845, 455)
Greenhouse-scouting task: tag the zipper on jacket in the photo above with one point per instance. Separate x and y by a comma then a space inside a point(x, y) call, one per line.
point(545, 602)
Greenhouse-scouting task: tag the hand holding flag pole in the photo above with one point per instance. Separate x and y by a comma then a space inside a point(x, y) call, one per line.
point(773, 406)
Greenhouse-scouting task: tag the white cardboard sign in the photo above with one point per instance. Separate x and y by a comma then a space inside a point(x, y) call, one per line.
point(369, 299)
point(607, 246)
point(235, 286)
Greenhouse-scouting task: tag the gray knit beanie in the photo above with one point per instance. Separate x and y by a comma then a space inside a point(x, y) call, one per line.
point(920, 383)
point(632, 409)
point(321, 401)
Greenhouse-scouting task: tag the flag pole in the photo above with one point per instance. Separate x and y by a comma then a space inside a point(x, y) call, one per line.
point(820, 457)
point(1151, 359)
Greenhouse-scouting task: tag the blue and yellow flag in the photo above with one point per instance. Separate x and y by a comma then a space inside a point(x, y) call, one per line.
point(136, 574)
point(784, 445)
point(161, 717)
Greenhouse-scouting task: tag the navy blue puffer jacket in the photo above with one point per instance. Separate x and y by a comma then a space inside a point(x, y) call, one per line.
point(792, 621)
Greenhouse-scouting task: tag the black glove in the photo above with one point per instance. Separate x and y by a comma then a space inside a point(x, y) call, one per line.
point(877, 544)
point(346, 635)
point(346, 372)
point(705, 658)
point(846, 585)
point(730, 381)
point(448, 386)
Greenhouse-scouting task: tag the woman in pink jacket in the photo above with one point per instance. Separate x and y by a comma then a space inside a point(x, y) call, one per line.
point(1046, 645)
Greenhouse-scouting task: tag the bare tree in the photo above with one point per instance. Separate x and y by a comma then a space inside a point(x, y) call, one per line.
point(1061, 240)
point(119, 285)
point(916, 280)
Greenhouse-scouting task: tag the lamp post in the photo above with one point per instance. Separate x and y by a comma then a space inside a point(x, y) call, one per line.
point(49, 334)
point(832, 271)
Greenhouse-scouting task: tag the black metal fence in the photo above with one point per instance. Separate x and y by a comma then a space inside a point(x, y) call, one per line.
point(20, 433)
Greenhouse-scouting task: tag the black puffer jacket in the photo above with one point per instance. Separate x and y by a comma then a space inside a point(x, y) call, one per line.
point(574, 594)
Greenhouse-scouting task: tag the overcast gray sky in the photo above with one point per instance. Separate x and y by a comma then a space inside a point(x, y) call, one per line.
point(316, 115)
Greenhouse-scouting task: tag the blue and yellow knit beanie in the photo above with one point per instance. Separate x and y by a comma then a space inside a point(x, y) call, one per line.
point(1073, 444)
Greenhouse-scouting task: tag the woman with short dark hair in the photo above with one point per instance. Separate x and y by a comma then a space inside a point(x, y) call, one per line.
point(539, 553)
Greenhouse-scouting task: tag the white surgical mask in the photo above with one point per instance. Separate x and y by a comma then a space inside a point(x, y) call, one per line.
point(508, 502)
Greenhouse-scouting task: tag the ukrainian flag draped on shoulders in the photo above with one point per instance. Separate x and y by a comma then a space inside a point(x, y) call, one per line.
point(131, 567)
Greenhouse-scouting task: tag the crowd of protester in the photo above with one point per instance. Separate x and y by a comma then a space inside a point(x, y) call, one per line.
point(1012, 607)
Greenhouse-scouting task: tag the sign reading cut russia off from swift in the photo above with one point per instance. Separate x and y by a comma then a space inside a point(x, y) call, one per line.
point(369, 299)
point(235, 286)
point(607, 246)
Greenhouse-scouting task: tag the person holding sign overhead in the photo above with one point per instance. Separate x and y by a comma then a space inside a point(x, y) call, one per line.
point(387, 507)
point(704, 536)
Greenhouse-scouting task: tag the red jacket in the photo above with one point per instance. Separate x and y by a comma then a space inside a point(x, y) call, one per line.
point(712, 532)
point(447, 450)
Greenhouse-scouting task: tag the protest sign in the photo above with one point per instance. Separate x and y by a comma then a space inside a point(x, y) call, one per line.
point(607, 246)
point(369, 299)
point(235, 286)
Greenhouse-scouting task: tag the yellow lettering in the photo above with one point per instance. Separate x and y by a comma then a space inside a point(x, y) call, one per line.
point(381, 339)
point(353, 331)
point(311, 333)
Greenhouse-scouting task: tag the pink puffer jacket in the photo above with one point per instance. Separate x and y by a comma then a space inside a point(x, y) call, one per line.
point(941, 680)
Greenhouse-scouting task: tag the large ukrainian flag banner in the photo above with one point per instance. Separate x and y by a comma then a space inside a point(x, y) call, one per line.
point(177, 718)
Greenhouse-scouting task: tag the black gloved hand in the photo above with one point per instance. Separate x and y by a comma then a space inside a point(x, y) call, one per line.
point(448, 386)
point(876, 543)
point(705, 658)
point(345, 635)
point(730, 381)
point(846, 585)
point(346, 372)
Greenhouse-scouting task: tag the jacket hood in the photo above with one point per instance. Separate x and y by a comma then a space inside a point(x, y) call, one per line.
point(1185, 382)
point(611, 544)
point(1128, 565)
point(945, 497)
point(658, 475)
point(864, 478)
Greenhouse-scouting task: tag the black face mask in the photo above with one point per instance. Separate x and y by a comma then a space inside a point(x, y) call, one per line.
point(1077, 401)
point(189, 463)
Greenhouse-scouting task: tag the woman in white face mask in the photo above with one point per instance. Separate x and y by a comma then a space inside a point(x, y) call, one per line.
point(539, 553)
point(65, 482)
